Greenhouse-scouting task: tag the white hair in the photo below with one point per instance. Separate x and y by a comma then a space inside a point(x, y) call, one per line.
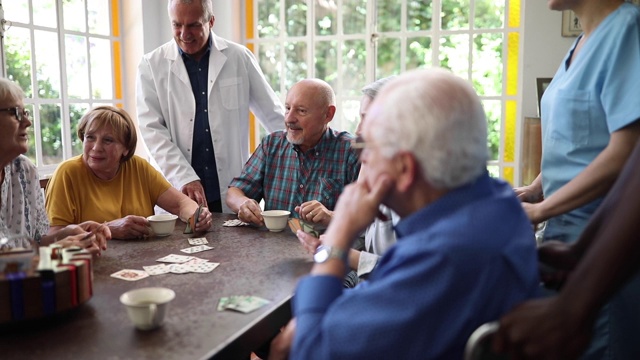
point(439, 118)
point(207, 7)
point(9, 90)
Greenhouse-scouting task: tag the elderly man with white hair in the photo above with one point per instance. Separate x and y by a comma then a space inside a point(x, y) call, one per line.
point(465, 252)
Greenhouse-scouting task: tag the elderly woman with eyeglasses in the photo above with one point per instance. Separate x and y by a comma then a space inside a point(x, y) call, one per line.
point(108, 183)
point(22, 209)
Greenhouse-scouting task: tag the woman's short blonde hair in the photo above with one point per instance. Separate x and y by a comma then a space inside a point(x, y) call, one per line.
point(120, 122)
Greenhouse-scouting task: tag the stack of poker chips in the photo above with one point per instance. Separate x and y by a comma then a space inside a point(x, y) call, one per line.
point(61, 281)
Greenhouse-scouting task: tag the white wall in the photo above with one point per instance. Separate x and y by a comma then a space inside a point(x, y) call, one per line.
point(543, 50)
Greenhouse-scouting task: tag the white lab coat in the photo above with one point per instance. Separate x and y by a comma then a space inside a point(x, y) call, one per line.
point(166, 109)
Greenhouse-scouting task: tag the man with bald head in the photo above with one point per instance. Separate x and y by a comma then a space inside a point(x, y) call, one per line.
point(302, 169)
point(465, 252)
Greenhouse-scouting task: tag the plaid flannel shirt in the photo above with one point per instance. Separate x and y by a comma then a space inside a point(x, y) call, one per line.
point(285, 176)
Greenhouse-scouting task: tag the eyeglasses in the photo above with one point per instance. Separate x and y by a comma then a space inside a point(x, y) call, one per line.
point(18, 112)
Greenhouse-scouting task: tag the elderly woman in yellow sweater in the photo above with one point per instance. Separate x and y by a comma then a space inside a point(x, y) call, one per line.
point(108, 183)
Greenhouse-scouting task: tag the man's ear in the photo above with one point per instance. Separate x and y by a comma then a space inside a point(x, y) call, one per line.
point(406, 167)
point(331, 111)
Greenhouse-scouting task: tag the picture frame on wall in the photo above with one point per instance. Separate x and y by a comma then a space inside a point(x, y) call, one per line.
point(541, 86)
point(571, 25)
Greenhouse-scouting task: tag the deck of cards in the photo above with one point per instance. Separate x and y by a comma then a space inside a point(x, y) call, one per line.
point(242, 303)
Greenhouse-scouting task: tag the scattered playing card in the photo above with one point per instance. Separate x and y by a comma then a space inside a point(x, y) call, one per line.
point(196, 249)
point(179, 269)
point(195, 261)
point(241, 303)
point(173, 258)
point(198, 241)
point(130, 274)
point(235, 222)
point(202, 268)
point(156, 269)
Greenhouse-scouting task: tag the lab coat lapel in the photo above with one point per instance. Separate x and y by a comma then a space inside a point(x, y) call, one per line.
point(216, 60)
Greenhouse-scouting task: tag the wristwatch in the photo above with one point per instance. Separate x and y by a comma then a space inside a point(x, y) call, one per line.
point(324, 253)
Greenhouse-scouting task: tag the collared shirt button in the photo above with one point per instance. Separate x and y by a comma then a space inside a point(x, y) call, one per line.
point(203, 93)
point(317, 153)
point(205, 110)
point(207, 149)
point(207, 130)
point(190, 119)
point(301, 186)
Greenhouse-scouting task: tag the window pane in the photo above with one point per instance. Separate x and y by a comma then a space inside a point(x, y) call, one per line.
point(388, 57)
point(269, 57)
point(76, 111)
point(419, 15)
point(44, 13)
point(493, 110)
point(50, 126)
point(494, 171)
point(16, 10)
point(454, 54)
point(74, 15)
point(326, 17)
point(296, 18)
point(354, 60)
point(354, 16)
point(489, 14)
point(47, 64)
point(268, 18)
point(18, 58)
point(389, 14)
point(455, 14)
point(101, 70)
point(350, 115)
point(99, 17)
point(77, 66)
point(326, 62)
point(296, 65)
point(418, 52)
point(487, 64)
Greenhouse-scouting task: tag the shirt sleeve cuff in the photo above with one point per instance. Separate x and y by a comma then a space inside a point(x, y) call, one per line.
point(367, 263)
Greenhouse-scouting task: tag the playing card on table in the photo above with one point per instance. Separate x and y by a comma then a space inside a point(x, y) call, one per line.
point(195, 261)
point(173, 258)
point(156, 269)
point(130, 274)
point(196, 249)
point(243, 303)
point(198, 241)
point(202, 268)
point(179, 269)
point(235, 222)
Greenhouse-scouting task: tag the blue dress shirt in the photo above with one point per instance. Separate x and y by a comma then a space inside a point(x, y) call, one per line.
point(459, 262)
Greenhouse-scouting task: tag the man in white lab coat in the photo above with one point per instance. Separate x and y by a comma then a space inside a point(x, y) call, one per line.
point(193, 99)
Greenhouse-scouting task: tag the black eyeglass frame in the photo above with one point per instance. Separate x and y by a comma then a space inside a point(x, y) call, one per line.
point(20, 113)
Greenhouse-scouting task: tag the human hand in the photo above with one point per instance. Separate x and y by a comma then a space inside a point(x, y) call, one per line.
point(250, 212)
point(542, 329)
point(528, 194)
point(204, 220)
point(313, 211)
point(308, 241)
point(357, 207)
point(129, 227)
point(281, 344)
point(195, 191)
point(87, 241)
point(101, 231)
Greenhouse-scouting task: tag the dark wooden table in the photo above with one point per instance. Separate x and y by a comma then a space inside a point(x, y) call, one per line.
point(253, 261)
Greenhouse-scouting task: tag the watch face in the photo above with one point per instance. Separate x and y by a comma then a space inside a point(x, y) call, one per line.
point(321, 255)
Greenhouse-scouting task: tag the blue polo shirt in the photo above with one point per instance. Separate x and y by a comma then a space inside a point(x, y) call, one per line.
point(203, 159)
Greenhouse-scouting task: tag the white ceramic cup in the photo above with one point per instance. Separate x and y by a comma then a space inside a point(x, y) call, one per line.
point(162, 224)
point(146, 307)
point(276, 220)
